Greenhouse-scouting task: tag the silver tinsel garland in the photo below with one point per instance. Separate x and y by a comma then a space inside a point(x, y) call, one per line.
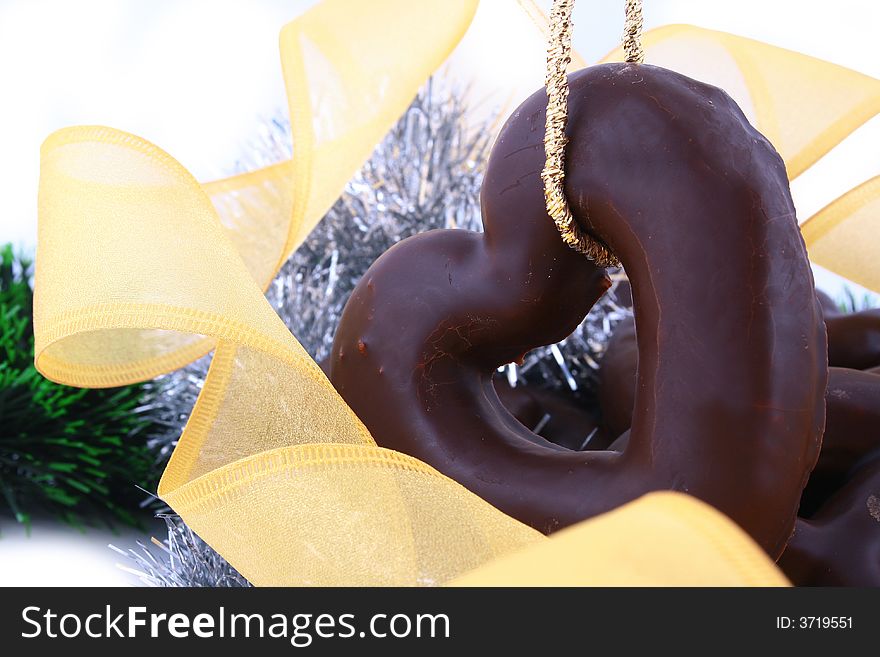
point(182, 559)
point(425, 174)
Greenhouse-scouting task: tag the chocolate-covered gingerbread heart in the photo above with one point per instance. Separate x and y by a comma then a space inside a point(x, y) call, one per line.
point(668, 173)
point(840, 544)
point(853, 338)
point(837, 539)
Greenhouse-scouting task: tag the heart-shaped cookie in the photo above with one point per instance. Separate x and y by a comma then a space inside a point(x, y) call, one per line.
point(669, 174)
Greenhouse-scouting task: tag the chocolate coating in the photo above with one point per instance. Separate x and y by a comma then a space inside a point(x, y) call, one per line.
point(852, 431)
point(840, 544)
point(617, 379)
point(852, 423)
point(560, 418)
point(670, 175)
point(854, 339)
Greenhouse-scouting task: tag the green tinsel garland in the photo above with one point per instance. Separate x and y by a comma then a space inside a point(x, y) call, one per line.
point(69, 452)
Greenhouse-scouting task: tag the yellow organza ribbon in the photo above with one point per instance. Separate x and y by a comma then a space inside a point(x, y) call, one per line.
point(141, 269)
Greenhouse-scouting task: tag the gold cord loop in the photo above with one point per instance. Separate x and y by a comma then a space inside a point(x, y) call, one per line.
point(553, 174)
point(632, 32)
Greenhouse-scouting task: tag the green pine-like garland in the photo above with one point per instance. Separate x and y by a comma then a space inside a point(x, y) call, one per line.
point(71, 452)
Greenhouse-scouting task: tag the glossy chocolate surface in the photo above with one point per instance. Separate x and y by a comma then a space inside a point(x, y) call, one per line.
point(836, 541)
point(852, 433)
point(729, 401)
point(840, 544)
point(854, 339)
point(852, 424)
point(617, 379)
point(562, 419)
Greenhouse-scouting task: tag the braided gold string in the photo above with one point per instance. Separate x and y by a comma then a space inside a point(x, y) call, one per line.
point(553, 174)
point(632, 32)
